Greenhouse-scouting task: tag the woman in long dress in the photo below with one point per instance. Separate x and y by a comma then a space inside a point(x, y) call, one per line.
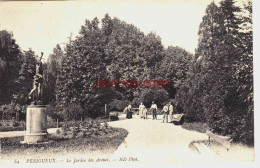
point(141, 108)
point(129, 111)
point(145, 112)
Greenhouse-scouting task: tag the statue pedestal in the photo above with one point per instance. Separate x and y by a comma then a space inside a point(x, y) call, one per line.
point(36, 124)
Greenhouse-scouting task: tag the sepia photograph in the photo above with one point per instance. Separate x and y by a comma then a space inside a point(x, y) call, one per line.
point(126, 81)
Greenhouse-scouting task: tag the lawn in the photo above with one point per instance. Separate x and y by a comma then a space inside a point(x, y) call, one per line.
point(12, 148)
point(196, 126)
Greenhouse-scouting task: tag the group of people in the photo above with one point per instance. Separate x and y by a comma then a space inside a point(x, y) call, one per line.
point(167, 111)
point(142, 111)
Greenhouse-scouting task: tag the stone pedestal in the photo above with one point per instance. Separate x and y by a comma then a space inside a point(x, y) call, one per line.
point(36, 124)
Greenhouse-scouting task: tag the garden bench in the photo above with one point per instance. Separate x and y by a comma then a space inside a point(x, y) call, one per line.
point(224, 142)
point(178, 118)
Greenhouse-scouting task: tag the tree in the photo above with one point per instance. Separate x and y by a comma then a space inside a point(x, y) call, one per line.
point(116, 51)
point(244, 75)
point(54, 65)
point(218, 50)
point(25, 80)
point(130, 54)
point(198, 77)
point(10, 63)
point(189, 96)
point(147, 96)
point(214, 87)
point(82, 65)
point(174, 67)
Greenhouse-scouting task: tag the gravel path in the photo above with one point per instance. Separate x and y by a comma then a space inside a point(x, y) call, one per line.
point(11, 134)
point(153, 141)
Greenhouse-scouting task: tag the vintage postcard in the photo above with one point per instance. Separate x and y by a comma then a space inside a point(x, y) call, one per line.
point(126, 81)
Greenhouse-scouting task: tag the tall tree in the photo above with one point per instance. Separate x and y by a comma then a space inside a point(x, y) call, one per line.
point(10, 63)
point(25, 80)
point(202, 73)
point(82, 65)
point(174, 67)
point(214, 87)
point(244, 75)
point(54, 65)
point(129, 53)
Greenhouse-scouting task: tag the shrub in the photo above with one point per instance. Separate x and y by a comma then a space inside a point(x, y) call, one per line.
point(6, 129)
point(118, 105)
point(83, 129)
point(5, 123)
point(148, 95)
point(15, 123)
point(10, 110)
point(114, 118)
point(55, 112)
point(12, 125)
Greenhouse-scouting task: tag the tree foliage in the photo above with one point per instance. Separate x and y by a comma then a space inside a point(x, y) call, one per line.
point(82, 65)
point(53, 69)
point(24, 83)
point(174, 67)
point(114, 51)
point(219, 88)
point(10, 63)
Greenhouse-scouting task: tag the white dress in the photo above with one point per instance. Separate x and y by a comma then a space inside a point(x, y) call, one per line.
point(141, 108)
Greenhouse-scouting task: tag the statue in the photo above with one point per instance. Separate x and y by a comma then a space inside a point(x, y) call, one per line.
point(36, 92)
point(36, 113)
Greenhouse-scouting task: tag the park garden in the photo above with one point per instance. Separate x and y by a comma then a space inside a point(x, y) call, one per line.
point(212, 87)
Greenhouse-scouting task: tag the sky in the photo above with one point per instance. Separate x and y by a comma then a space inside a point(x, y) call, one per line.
point(41, 25)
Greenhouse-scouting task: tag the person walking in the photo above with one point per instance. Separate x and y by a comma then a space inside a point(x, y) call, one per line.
point(145, 113)
point(141, 109)
point(129, 111)
point(165, 112)
point(154, 110)
point(171, 111)
point(126, 111)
